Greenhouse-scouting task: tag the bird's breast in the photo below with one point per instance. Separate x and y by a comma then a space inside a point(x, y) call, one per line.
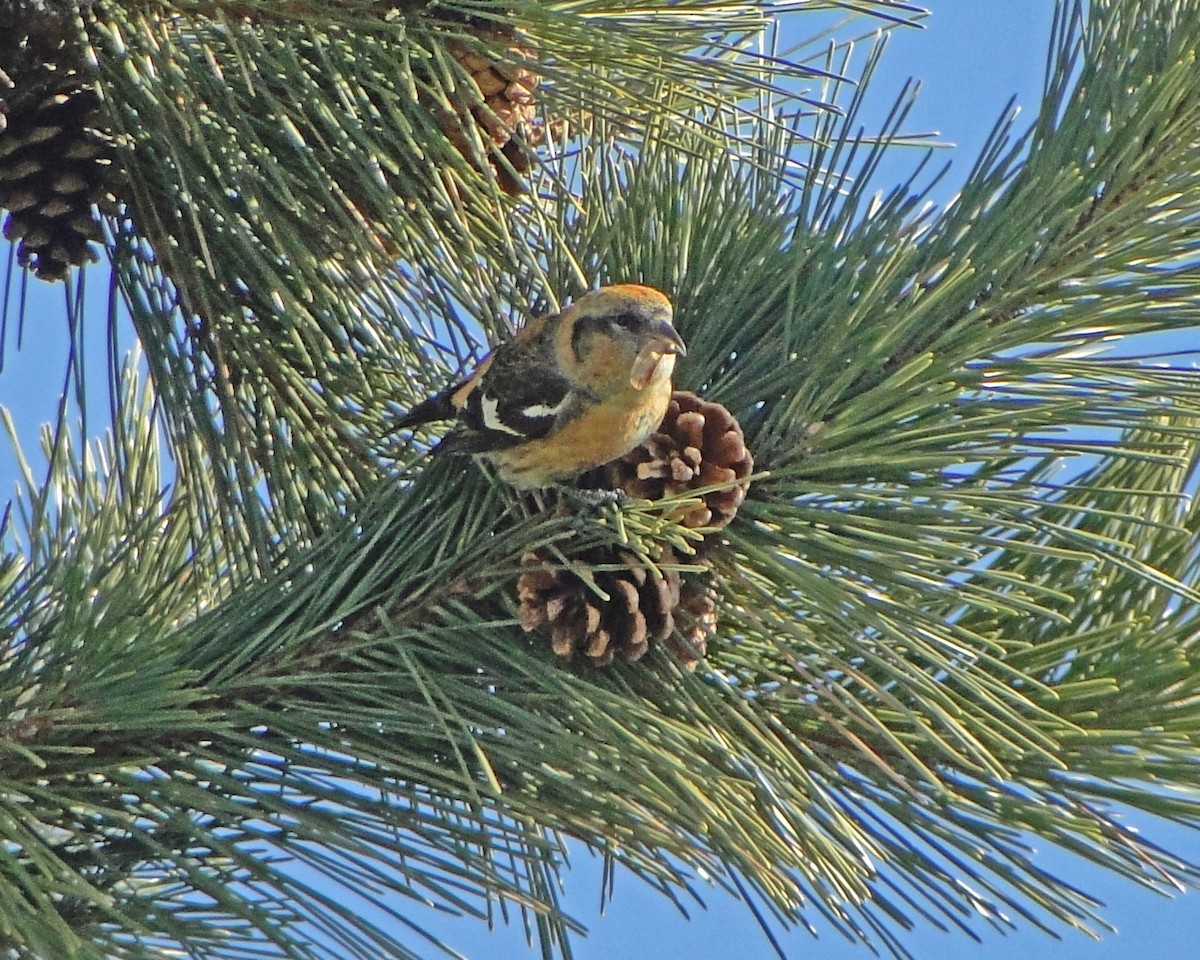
point(601, 433)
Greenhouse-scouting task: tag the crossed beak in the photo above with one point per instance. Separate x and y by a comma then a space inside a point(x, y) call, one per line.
point(663, 338)
point(659, 340)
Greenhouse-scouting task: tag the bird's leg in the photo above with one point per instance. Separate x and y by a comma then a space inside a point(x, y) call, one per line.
point(590, 506)
point(540, 500)
point(595, 499)
point(591, 490)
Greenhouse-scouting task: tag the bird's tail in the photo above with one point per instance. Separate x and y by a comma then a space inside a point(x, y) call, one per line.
point(439, 407)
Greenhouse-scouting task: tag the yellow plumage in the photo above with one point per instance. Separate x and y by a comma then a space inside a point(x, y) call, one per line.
point(569, 391)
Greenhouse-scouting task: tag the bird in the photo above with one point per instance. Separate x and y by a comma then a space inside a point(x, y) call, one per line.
point(568, 392)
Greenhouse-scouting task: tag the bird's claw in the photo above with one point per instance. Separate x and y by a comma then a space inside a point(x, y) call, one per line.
point(596, 499)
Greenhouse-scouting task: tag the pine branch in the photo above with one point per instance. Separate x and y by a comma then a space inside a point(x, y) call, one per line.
point(298, 172)
point(935, 643)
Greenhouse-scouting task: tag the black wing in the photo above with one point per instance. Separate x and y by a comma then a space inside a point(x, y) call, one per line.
point(515, 395)
point(519, 396)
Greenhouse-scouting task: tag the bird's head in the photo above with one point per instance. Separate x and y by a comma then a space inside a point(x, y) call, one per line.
point(627, 331)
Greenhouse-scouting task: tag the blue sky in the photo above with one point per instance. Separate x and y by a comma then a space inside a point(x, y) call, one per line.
point(972, 57)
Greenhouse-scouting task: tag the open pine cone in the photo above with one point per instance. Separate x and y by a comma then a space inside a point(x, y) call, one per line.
point(699, 444)
point(558, 602)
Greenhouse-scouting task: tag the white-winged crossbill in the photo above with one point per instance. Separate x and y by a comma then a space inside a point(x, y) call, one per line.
point(570, 391)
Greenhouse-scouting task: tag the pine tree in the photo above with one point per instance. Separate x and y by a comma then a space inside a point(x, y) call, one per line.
point(262, 698)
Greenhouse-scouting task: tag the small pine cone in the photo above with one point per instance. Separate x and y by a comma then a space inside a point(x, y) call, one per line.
point(503, 107)
point(696, 620)
point(698, 444)
point(557, 602)
point(55, 161)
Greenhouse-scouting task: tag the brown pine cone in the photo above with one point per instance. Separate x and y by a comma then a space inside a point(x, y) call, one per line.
point(503, 106)
point(699, 444)
point(557, 602)
point(695, 621)
point(55, 161)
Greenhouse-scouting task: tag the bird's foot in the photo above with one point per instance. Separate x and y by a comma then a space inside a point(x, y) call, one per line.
point(595, 499)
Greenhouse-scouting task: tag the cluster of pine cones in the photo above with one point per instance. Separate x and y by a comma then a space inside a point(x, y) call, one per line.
point(58, 169)
point(606, 603)
point(58, 174)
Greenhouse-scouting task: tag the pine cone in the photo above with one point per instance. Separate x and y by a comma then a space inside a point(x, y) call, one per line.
point(557, 601)
point(503, 107)
point(55, 161)
point(696, 621)
point(699, 444)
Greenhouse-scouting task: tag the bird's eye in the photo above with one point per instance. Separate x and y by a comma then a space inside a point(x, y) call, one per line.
point(626, 321)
